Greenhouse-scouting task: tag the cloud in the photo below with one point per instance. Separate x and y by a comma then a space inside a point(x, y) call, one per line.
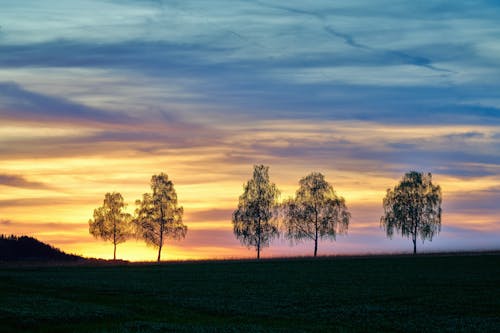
point(21, 105)
point(467, 135)
point(20, 181)
point(397, 55)
point(6, 222)
point(474, 202)
point(157, 56)
point(363, 146)
point(461, 231)
point(17, 227)
point(349, 40)
point(320, 79)
point(18, 104)
point(93, 130)
point(215, 214)
point(44, 202)
point(140, 139)
point(208, 237)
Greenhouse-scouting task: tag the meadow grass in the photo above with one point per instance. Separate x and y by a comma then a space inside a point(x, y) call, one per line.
point(453, 293)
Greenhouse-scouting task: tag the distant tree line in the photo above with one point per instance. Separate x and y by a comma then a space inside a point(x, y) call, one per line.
point(14, 248)
point(412, 209)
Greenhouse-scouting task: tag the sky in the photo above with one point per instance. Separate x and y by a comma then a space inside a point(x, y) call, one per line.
point(97, 96)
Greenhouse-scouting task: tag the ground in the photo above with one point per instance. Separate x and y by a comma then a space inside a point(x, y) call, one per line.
point(454, 293)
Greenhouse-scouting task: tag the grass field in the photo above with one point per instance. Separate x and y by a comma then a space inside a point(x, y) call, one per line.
point(456, 293)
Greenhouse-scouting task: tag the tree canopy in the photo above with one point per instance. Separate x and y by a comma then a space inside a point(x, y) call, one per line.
point(413, 208)
point(254, 221)
point(315, 212)
point(111, 222)
point(158, 216)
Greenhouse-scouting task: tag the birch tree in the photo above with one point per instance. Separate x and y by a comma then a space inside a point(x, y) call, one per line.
point(111, 222)
point(316, 212)
point(413, 208)
point(158, 216)
point(254, 221)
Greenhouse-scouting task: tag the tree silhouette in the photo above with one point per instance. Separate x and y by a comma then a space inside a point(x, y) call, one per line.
point(158, 217)
point(110, 222)
point(16, 248)
point(413, 208)
point(315, 212)
point(254, 222)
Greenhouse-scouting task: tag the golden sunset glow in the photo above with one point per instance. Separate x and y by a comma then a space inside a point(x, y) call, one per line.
point(60, 193)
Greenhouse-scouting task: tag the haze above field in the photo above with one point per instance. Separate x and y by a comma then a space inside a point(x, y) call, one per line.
point(97, 96)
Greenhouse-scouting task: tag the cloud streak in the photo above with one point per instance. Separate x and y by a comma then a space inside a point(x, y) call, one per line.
point(22, 105)
point(22, 182)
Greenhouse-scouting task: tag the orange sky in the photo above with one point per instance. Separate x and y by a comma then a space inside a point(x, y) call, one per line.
point(54, 196)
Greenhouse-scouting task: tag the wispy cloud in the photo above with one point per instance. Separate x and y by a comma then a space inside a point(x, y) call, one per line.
point(64, 231)
point(21, 181)
point(6, 222)
point(22, 105)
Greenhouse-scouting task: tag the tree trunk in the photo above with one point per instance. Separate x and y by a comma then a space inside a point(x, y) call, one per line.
point(316, 230)
point(114, 240)
point(162, 228)
point(258, 240)
point(258, 247)
point(159, 254)
point(415, 238)
point(316, 239)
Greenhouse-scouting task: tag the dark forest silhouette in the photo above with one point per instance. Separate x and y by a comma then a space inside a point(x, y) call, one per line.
point(24, 248)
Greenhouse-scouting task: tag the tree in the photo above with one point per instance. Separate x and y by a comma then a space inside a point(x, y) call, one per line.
point(413, 208)
point(111, 222)
point(158, 217)
point(254, 222)
point(315, 212)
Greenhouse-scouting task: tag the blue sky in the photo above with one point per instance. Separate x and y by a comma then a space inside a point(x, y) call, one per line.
point(363, 88)
point(389, 61)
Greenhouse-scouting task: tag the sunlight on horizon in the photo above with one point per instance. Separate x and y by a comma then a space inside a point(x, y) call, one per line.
point(65, 191)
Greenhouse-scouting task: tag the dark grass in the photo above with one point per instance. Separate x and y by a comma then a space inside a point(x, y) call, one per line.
point(448, 293)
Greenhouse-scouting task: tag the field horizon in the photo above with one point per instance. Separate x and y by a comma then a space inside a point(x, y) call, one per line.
point(77, 259)
point(440, 292)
